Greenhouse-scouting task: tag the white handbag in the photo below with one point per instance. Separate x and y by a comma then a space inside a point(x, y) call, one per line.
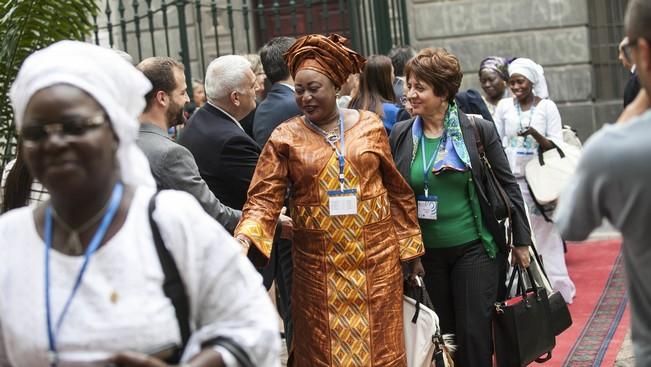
point(422, 334)
point(548, 175)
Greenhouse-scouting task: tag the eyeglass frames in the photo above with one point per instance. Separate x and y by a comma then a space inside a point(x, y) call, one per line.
point(36, 133)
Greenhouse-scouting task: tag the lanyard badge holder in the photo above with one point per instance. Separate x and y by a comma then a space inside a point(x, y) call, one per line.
point(428, 205)
point(342, 201)
point(52, 332)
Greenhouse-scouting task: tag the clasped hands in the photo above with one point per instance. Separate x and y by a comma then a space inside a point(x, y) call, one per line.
point(207, 357)
point(286, 231)
point(545, 144)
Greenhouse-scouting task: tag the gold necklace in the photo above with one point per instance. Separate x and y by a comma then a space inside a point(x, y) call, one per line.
point(73, 244)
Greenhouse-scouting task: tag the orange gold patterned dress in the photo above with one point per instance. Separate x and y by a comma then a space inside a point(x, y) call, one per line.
point(347, 285)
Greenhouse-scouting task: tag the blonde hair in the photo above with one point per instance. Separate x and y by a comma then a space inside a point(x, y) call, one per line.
point(256, 63)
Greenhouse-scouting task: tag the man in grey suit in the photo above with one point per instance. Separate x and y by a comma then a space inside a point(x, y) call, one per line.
point(172, 165)
point(280, 102)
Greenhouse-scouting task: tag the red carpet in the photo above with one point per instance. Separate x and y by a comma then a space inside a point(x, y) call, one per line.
point(599, 312)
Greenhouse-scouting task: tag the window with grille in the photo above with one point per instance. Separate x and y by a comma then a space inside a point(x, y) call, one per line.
point(606, 19)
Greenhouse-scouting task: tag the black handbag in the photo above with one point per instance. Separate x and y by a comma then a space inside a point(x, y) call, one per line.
point(561, 319)
point(521, 325)
point(494, 192)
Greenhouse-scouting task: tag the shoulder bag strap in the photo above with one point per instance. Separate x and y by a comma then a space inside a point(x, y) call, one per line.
point(487, 166)
point(235, 349)
point(478, 141)
point(173, 286)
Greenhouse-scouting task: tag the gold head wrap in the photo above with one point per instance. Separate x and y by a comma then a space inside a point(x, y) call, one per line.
point(326, 55)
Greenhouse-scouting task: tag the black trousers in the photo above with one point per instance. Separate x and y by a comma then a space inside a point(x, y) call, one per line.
point(463, 285)
point(280, 269)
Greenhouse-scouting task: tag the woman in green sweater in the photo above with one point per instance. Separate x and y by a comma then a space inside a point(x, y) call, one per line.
point(466, 249)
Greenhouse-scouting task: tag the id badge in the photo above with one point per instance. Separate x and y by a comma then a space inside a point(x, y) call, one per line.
point(427, 207)
point(342, 202)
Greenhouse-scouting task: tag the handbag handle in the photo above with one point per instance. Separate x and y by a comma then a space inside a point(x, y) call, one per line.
point(419, 298)
point(540, 153)
point(545, 358)
point(537, 289)
point(520, 291)
point(517, 270)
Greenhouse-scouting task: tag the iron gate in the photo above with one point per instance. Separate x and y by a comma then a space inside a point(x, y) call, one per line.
point(197, 31)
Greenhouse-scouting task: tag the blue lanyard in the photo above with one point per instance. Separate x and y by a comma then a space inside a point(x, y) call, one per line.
point(340, 153)
point(519, 111)
point(116, 197)
point(428, 166)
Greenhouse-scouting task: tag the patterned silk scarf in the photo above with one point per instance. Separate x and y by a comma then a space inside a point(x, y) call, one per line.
point(452, 153)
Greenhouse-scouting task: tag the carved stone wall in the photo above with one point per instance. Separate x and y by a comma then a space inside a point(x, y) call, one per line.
point(554, 33)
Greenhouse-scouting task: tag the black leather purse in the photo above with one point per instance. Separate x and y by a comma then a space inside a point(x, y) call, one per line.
point(561, 319)
point(521, 325)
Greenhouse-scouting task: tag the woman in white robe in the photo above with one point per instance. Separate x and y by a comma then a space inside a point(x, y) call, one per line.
point(81, 281)
point(525, 122)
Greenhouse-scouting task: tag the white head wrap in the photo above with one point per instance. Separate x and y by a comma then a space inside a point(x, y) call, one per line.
point(114, 83)
point(533, 72)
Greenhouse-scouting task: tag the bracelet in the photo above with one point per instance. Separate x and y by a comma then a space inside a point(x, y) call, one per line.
point(243, 242)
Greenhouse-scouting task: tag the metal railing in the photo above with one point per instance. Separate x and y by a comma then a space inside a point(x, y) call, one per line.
point(196, 31)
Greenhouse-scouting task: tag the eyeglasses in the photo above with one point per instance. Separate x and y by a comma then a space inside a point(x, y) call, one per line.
point(36, 133)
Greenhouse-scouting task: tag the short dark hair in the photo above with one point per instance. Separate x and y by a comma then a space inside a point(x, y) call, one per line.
point(271, 55)
point(160, 72)
point(637, 20)
point(399, 57)
point(438, 68)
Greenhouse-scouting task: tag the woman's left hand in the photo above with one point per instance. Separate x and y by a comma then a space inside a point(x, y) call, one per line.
point(520, 255)
point(133, 359)
point(415, 269)
point(544, 143)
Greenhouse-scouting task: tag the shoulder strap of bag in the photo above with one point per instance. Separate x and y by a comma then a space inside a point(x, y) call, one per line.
point(235, 349)
point(174, 289)
point(478, 141)
point(173, 286)
point(486, 163)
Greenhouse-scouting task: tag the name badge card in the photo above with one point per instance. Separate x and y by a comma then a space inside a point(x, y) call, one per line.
point(427, 207)
point(342, 202)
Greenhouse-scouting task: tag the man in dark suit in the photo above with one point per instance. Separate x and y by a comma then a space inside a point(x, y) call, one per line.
point(172, 165)
point(225, 154)
point(280, 103)
point(632, 87)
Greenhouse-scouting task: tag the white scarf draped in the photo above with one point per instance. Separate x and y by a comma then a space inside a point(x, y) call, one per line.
point(533, 72)
point(114, 83)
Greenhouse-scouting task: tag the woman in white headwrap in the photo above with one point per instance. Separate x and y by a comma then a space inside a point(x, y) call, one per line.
point(525, 122)
point(81, 279)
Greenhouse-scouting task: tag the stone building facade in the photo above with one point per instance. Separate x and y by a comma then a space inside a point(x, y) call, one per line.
point(574, 40)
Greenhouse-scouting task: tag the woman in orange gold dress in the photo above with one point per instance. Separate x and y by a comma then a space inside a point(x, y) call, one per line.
point(354, 217)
